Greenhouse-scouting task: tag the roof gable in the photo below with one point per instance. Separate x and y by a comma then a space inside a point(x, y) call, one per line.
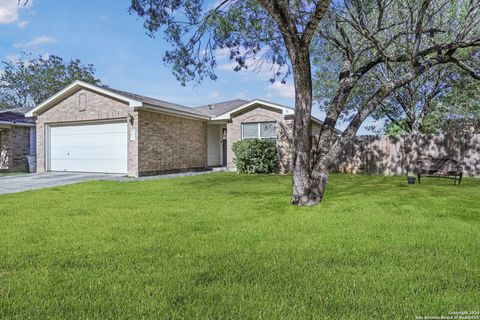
point(216, 109)
point(71, 89)
point(248, 104)
point(133, 100)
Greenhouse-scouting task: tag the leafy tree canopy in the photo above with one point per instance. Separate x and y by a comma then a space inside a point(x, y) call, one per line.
point(410, 53)
point(245, 28)
point(31, 80)
point(458, 111)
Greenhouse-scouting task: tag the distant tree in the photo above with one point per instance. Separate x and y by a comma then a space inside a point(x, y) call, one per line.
point(442, 102)
point(29, 81)
point(367, 38)
point(442, 97)
point(412, 108)
point(458, 111)
point(370, 50)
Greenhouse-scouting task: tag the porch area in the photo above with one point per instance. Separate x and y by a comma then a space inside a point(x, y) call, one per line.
point(217, 145)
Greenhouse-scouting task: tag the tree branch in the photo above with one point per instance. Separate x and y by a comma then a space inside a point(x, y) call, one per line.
point(466, 68)
point(314, 20)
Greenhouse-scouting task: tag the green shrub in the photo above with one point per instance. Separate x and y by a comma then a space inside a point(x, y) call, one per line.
point(255, 156)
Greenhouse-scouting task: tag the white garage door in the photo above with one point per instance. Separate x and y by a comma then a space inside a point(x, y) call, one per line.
point(89, 148)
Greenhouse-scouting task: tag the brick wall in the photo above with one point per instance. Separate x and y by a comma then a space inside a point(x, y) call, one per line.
point(21, 148)
point(169, 143)
point(262, 114)
point(93, 106)
point(14, 147)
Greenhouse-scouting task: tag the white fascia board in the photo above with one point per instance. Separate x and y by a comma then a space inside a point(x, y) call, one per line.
point(166, 110)
point(75, 86)
point(215, 121)
point(226, 116)
point(17, 124)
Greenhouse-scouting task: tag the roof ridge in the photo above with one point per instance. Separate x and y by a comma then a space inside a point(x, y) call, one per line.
point(153, 101)
point(106, 87)
point(220, 102)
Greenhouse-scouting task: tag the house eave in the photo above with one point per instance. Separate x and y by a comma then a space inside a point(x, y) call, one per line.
point(74, 87)
point(16, 124)
point(166, 110)
point(227, 115)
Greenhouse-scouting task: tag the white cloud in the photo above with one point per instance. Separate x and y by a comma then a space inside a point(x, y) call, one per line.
point(282, 90)
point(22, 24)
point(45, 56)
point(227, 66)
point(12, 58)
point(214, 94)
point(222, 53)
point(38, 41)
point(9, 10)
point(257, 68)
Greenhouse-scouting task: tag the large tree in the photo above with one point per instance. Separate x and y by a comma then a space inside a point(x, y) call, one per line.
point(458, 111)
point(443, 95)
point(276, 31)
point(31, 80)
point(370, 51)
point(410, 109)
point(365, 35)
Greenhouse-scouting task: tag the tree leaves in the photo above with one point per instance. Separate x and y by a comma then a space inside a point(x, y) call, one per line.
point(29, 81)
point(245, 28)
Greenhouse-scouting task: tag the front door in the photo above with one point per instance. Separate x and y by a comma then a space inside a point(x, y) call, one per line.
point(224, 146)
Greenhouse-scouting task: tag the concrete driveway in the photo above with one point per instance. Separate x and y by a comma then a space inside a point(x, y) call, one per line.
point(24, 182)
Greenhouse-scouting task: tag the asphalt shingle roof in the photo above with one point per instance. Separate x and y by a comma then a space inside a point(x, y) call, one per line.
point(215, 109)
point(21, 110)
point(15, 117)
point(154, 102)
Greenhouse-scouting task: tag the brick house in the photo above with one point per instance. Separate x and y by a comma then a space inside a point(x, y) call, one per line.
point(17, 139)
point(99, 129)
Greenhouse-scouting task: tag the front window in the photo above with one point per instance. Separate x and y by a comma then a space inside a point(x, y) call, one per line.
point(259, 130)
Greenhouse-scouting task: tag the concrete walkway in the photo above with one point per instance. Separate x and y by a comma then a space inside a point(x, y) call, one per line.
point(24, 182)
point(169, 175)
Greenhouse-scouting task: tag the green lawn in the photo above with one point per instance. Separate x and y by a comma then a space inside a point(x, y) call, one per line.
point(3, 174)
point(228, 246)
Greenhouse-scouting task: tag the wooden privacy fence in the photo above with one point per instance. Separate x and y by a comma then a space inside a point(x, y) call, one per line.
point(392, 155)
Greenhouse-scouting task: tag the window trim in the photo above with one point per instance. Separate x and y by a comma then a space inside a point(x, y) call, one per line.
point(259, 130)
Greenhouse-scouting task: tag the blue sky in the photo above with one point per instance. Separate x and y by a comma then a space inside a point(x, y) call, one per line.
point(104, 34)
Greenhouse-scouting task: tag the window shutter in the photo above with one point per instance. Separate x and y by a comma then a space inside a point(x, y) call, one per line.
point(250, 131)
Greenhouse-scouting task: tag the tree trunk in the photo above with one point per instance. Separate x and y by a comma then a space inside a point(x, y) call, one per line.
point(307, 189)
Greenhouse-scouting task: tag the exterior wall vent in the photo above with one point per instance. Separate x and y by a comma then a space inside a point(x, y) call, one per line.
point(82, 102)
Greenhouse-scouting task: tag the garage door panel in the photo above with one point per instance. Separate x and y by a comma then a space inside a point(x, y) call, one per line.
point(89, 141)
point(87, 166)
point(92, 129)
point(83, 152)
point(89, 148)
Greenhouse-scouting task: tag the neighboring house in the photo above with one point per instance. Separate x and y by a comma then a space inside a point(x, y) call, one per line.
point(17, 139)
point(99, 129)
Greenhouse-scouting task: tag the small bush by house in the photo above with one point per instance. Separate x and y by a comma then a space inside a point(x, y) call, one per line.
point(255, 156)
